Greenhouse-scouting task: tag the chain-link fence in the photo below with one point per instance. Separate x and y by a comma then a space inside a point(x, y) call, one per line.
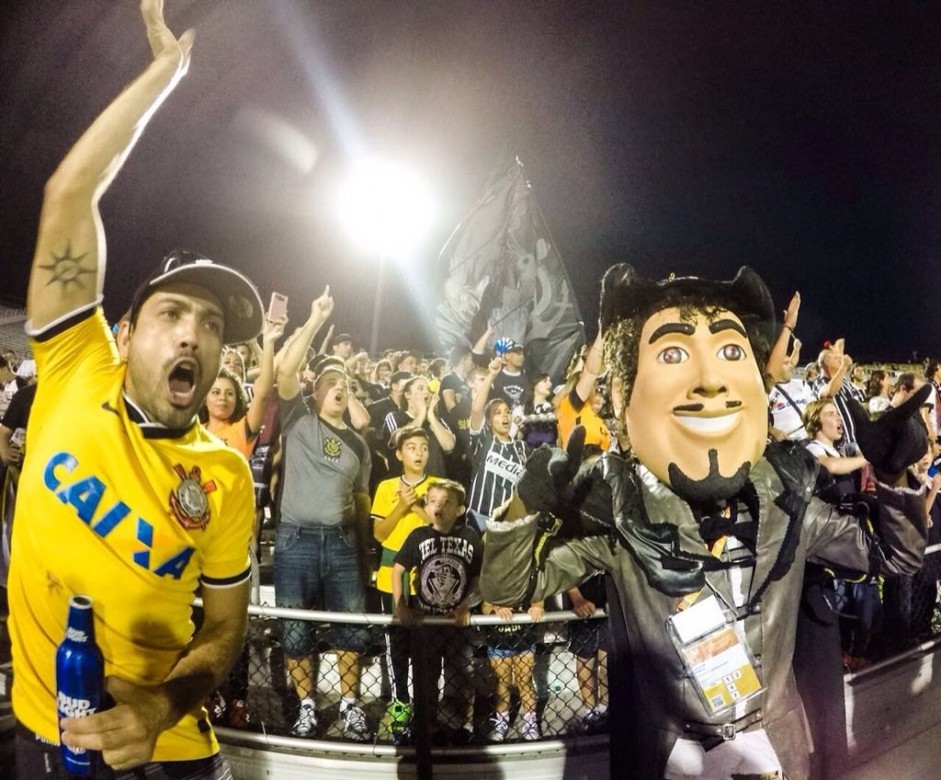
point(492, 681)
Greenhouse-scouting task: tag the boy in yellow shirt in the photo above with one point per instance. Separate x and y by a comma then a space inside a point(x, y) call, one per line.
point(396, 512)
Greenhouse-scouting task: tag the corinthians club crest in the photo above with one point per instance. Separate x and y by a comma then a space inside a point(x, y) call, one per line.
point(332, 448)
point(188, 501)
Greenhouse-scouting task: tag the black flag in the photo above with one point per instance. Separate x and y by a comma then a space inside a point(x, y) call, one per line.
point(503, 267)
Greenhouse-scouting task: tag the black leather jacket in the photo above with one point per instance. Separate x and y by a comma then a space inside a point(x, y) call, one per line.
point(651, 546)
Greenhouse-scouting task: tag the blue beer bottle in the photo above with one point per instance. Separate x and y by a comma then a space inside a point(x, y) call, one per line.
point(79, 681)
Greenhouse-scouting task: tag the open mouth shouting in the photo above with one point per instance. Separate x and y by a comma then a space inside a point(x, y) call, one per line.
point(182, 382)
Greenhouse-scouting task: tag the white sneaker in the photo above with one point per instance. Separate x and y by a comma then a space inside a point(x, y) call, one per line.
point(501, 725)
point(354, 723)
point(306, 723)
point(530, 727)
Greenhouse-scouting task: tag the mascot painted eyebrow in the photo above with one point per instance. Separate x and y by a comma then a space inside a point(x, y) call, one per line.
point(704, 530)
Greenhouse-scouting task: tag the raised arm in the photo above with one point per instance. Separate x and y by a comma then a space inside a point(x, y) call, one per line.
point(594, 365)
point(443, 434)
point(265, 381)
point(326, 341)
point(477, 351)
point(359, 415)
point(253, 372)
point(68, 267)
point(795, 356)
point(294, 354)
point(481, 396)
point(779, 350)
point(833, 386)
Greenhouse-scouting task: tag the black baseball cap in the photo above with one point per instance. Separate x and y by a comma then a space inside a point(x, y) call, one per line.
point(241, 303)
point(339, 339)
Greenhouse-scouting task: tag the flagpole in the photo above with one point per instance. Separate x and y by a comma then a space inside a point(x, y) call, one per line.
point(377, 308)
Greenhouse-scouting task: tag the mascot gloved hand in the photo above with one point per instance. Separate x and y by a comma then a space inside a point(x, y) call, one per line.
point(546, 484)
point(892, 442)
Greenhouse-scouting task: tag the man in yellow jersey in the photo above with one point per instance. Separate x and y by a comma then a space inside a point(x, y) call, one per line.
point(125, 497)
point(580, 399)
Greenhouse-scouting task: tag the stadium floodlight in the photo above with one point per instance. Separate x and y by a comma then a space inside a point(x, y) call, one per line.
point(385, 207)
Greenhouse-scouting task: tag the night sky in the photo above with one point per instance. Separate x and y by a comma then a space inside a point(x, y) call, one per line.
point(800, 139)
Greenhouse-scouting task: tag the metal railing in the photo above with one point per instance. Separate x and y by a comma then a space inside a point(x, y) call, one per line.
point(459, 719)
point(910, 621)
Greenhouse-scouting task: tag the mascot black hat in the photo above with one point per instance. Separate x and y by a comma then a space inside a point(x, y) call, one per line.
point(625, 294)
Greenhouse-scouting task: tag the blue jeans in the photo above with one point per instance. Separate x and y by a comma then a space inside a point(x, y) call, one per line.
point(318, 568)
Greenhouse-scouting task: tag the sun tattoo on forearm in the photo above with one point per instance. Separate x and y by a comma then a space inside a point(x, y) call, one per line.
point(67, 269)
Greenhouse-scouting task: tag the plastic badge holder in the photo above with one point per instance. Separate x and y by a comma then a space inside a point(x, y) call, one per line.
point(717, 661)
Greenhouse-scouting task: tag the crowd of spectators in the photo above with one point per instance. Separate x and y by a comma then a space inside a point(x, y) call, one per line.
point(876, 616)
point(379, 473)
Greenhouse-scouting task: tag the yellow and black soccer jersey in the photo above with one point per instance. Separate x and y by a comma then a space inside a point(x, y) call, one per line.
point(134, 515)
point(387, 496)
point(574, 411)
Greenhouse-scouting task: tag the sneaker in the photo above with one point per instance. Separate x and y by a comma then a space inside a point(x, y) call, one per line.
point(530, 727)
point(400, 722)
point(354, 723)
point(595, 722)
point(501, 725)
point(306, 723)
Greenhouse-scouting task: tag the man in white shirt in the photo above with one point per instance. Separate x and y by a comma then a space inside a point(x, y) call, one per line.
point(788, 399)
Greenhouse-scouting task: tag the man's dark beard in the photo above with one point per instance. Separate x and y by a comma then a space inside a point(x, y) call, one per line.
point(714, 486)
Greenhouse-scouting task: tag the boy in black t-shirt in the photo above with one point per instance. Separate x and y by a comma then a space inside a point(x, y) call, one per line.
point(444, 563)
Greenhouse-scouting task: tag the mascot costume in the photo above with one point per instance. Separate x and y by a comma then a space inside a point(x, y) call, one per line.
point(703, 529)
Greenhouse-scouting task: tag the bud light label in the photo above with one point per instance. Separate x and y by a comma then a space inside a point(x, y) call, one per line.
point(76, 635)
point(70, 707)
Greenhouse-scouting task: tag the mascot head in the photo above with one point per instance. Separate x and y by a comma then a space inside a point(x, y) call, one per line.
point(686, 357)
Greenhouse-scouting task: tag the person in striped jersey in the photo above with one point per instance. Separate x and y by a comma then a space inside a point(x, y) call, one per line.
point(497, 458)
